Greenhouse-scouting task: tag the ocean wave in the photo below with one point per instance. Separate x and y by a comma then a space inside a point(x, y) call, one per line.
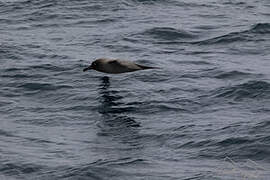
point(5, 133)
point(49, 67)
point(150, 1)
point(193, 62)
point(234, 141)
point(43, 11)
point(121, 161)
point(19, 6)
point(254, 148)
point(167, 33)
point(88, 171)
point(260, 28)
point(161, 35)
point(100, 169)
point(220, 74)
point(35, 86)
point(247, 90)
point(20, 76)
point(13, 51)
point(246, 35)
point(170, 3)
point(28, 70)
point(261, 127)
point(233, 75)
point(19, 169)
point(228, 38)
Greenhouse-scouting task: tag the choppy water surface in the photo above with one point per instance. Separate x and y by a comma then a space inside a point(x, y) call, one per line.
point(204, 115)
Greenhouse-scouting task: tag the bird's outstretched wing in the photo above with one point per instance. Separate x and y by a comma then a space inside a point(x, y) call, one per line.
point(123, 64)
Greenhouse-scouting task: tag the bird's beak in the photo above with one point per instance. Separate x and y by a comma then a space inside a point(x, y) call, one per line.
point(88, 68)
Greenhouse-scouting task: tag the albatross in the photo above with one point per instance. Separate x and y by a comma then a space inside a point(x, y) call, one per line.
point(115, 66)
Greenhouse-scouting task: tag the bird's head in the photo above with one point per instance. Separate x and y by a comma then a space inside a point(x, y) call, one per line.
point(94, 65)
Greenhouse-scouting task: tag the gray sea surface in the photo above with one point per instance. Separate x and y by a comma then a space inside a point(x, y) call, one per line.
point(204, 115)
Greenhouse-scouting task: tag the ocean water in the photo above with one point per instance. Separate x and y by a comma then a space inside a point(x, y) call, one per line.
point(205, 114)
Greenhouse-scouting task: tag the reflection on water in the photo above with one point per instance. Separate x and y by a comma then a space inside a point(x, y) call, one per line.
point(115, 122)
point(105, 83)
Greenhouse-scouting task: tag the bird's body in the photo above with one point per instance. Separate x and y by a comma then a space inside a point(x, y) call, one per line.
point(115, 66)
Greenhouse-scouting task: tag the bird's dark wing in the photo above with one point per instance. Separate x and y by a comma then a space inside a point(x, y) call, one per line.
point(124, 66)
point(113, 62)
point(116, 63)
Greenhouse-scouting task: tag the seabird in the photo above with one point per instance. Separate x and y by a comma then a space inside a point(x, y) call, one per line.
point(115, 66)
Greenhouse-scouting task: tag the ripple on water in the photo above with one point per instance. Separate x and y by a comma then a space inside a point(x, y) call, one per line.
point(238, 148)
point(248, 90)
point(42, 86)
point(254, 33)
point(161, 35)
point(19, 169)
point(167, 33)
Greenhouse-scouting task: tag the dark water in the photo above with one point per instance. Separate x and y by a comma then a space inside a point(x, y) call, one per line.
point(204, 115)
